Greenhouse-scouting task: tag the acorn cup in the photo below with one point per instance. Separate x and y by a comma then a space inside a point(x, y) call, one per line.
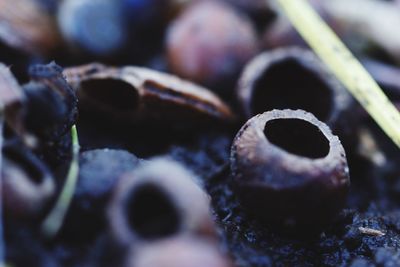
point(28, 27)
point(132, 94)
point(27, 184)
point(158, 200)
point(290, 171)
point(295, 78)
point(209, 43)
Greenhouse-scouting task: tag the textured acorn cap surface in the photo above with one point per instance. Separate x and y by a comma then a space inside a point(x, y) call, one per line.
point(138, 93)
point(292, 186)
point(292, 78)
point(157, 200)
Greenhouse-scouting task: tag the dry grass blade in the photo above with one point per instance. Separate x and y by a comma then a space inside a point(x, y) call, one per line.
point(53, 222)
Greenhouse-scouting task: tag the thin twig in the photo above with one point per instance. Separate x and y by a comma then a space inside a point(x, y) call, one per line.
point(54, 220)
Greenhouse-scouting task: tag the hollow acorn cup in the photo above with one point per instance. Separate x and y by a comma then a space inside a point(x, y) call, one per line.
point(293, 78)
point(130, 94)
point(289, 170)
point(158, 200)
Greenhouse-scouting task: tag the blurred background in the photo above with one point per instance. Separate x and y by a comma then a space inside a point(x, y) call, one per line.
point(206, 41)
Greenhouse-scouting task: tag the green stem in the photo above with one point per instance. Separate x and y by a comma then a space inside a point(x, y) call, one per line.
point(54, 220)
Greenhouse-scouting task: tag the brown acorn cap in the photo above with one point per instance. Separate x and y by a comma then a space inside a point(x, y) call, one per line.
point(290, 170)
point(134, 93)
point(158, 200)
point(293, 78)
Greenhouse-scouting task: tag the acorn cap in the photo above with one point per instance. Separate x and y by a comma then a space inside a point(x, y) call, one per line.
point(134, 93)
point(293, 78)
point(289, 170)
point(157, 200)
